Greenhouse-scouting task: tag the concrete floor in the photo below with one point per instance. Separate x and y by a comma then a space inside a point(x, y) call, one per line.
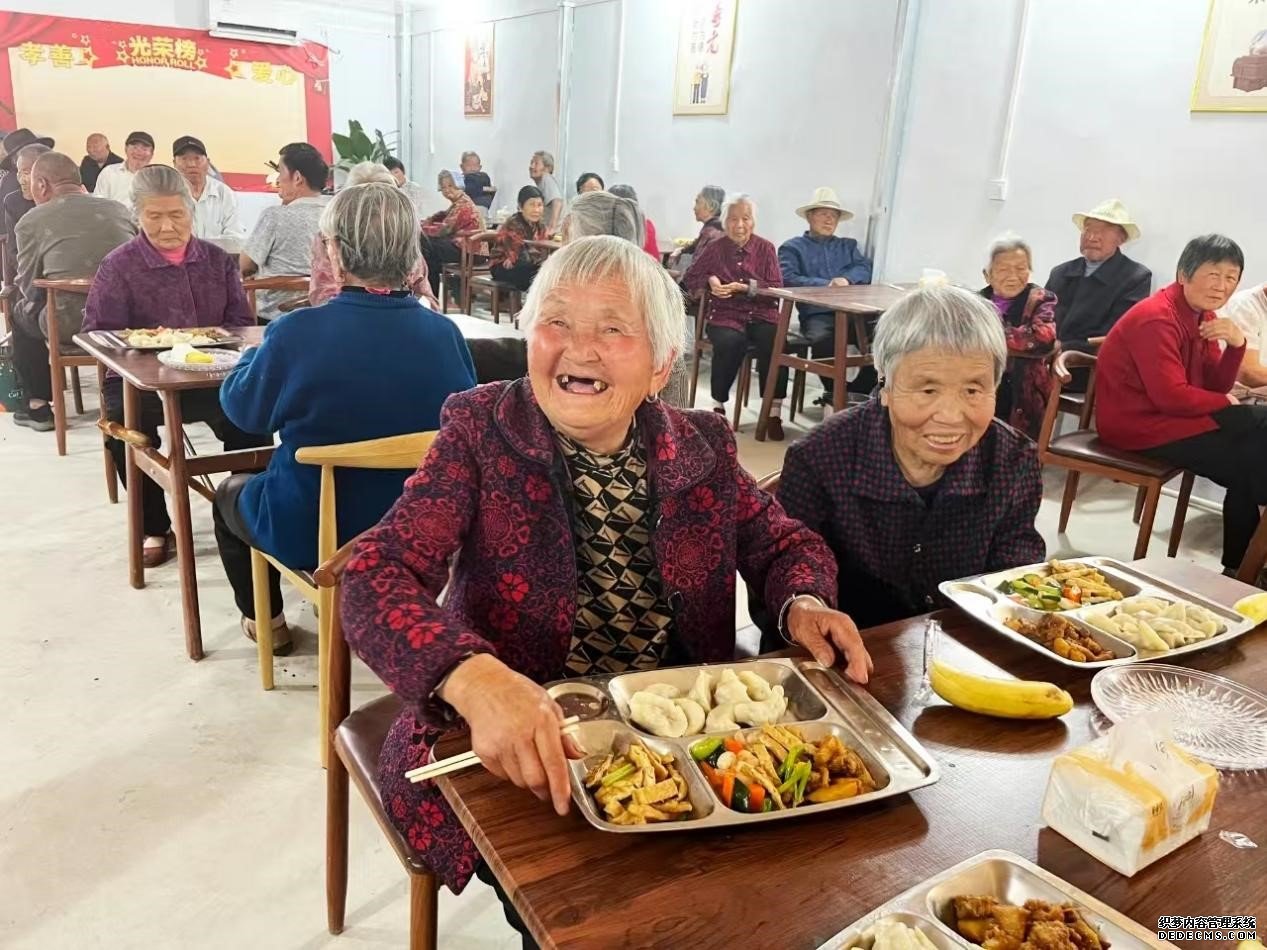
point(147, 801)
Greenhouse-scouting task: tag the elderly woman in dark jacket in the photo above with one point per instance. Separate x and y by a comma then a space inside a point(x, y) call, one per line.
point(579, 457)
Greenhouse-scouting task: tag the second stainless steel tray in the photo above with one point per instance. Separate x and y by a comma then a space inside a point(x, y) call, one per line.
point(999, 874)
point(977, 597)
point(821, 703)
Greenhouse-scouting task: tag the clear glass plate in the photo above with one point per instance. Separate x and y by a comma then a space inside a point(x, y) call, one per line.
point(1216, 719)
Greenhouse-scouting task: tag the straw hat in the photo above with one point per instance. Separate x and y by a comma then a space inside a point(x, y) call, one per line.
point(824, 198)
point(1112, 212)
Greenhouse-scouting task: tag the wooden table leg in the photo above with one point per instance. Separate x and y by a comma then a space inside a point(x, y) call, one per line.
point(839, 369)
point(772, 377)
point(136, 482)
point(174, 420)
point(1255, 555)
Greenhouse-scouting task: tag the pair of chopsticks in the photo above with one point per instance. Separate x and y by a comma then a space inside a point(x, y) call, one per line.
point(456, 762)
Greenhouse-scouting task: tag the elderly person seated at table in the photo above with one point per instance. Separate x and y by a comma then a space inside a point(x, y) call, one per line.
point(589, 181)
point(215, 203)
point(323, 284)
point(923, 484)
point(282, 240)
point(115, 181)
point(1029, 323)
point(819, 258)
point(1249, 309)
point(1163, 381)
point(708, 213)
point(581, 456)
point(515, 261)
point(650, 243)
point(366, 344)
point(65, 235)
point(18, 203)
point(475, 181)
point(541, 171)
point(166, 277)
point(731, 271)
point(442, 231)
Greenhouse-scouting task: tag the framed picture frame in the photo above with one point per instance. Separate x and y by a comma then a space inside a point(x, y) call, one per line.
point(705, 50)
point(477, 71)
point(1232, 72)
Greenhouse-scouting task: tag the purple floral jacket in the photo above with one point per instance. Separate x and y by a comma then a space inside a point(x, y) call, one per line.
point(493, 491)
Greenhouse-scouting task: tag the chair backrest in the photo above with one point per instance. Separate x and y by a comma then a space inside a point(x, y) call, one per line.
point(66, 285)
point(474, 244)
point(1065, 361)
point(253, 285)
point(394, 451)
point(701, 314)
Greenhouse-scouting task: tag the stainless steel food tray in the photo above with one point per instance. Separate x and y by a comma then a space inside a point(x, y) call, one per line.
point(977, 596)
point(1001, 874)
point(819, 702)
point(111, 338)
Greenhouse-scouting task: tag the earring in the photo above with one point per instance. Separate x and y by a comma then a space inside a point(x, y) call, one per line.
point(653, 398)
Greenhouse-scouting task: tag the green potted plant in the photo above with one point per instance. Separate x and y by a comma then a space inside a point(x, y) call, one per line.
point(357, 146)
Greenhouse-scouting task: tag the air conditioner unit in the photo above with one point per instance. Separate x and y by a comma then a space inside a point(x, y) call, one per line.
point(245, 20)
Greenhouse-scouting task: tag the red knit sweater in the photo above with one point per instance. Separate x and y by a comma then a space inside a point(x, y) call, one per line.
point(1157, 381)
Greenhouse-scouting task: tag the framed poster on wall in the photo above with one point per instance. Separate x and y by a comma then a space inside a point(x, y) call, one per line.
point(477, 78)
point(705, 45)
point(68, 78)
point(1232, 75)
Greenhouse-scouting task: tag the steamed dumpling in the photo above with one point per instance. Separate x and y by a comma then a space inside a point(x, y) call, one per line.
point(702, 690)
point(695, 715)
point(764, 713)
point(730, 689)
point(721, 718)
point(758, 689)
point(667, 690)
point(658, 715)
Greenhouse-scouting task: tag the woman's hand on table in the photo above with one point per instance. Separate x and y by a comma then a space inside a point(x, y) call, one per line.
point(822, 631)
point(514, 727)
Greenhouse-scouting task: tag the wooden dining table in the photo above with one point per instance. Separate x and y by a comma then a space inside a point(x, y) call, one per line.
point(852, 306)
point(794, 884)
point(175, 472)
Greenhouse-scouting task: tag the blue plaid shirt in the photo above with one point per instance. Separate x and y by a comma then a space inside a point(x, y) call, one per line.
point(894, 544)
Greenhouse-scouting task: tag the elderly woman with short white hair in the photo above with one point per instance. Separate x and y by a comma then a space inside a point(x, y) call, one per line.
point(370, 363)
point(322, 285)
point(921, 484)
point(1028, 314)
point(582, 457)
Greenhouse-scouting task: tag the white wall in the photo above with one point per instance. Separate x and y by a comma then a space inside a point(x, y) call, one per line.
point(1103, 112)
point(802, 114)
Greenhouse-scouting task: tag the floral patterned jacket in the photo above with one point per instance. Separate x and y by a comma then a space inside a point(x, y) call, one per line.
point(493, 494)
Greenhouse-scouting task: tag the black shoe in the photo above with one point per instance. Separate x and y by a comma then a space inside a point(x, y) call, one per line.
point(41, 419)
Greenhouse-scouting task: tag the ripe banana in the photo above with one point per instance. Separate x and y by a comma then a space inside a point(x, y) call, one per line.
point(1011, 699)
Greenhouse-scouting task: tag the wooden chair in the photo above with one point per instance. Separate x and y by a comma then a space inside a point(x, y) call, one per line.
point(497, 290)
point(1255, 558)
point(355, 743)
point(1083, 453)
point(795, 343)
point(291, 282)
point(467, 267)
point(392, 452)
point(61, 361)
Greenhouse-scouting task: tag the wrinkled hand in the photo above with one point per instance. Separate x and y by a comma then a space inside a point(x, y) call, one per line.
point(717, 288)
point(1223, 328)
point(1232, 400)
point(839, 282)
point(822, 631)
point(514, 727)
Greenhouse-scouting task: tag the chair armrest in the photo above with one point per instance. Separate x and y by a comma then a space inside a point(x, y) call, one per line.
point(330, 573)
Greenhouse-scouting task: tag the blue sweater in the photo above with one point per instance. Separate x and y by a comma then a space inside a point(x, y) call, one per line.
point(809, 261)
point(361, 366)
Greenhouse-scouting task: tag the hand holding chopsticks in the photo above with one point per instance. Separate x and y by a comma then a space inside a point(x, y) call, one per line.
point(466, 759)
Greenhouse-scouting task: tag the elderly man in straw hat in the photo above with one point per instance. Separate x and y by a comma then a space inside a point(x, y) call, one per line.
point(818, 258)
point(1094, 289)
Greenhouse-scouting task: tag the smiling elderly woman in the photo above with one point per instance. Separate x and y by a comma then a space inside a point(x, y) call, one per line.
point(921, 485)
point(579, 457)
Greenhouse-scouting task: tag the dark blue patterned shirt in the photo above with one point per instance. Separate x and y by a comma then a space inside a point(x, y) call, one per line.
point(892, 545)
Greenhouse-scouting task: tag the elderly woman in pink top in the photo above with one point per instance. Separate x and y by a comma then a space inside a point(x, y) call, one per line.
point(322, 285)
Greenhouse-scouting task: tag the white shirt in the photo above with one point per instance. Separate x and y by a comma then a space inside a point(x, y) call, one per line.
point(1249, 309)
point(418, 195)
point(216, 212)
point(115, 181)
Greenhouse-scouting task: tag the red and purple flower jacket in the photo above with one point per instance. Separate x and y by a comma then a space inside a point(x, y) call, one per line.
point(493, 495)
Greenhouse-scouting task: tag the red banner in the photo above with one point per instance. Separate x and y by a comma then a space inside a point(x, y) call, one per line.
point(59, 43)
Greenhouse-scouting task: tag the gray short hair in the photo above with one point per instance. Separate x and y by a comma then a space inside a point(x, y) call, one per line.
point(468, 154)
point(546, 159)
point(159, 181)
point(362, 173)
point(377, 232)
point(444, 176)
point(28, 154)
point(714, 196)
point(601, 212)
point(651, 289)
point(738, 198)
point(1005, 244)
point(624, 191)
point(944, 318)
